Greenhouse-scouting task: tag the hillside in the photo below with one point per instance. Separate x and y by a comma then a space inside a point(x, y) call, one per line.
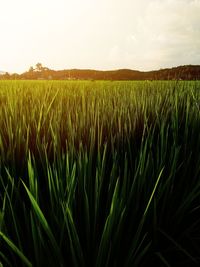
point(187, 72)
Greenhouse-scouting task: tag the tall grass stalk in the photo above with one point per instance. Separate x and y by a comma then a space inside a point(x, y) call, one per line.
point(99, 173)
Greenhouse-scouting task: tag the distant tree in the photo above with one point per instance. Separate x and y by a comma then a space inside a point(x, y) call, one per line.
point(39, 67)
point(31, 69)
point(6, 76)
point(14, 76)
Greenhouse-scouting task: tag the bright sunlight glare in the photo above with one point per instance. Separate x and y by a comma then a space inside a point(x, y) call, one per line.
point(99, 34)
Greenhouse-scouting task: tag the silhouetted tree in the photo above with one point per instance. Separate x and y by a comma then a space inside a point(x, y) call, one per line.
point(39, 67)
point(6, 76)
point(31, 69)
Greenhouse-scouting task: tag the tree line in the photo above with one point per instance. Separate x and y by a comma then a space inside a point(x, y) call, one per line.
point(39, 72)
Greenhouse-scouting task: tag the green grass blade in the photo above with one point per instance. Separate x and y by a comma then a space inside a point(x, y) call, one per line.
point(15, 249)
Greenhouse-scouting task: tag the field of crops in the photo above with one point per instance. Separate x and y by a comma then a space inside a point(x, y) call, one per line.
point(99, 173)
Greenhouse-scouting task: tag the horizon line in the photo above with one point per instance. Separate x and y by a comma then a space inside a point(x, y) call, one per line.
point(106, 70)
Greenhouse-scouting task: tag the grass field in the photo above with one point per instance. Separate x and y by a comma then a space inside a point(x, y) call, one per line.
point(99, 173)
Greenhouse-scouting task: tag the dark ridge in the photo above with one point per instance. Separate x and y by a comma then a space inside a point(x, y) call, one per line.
point(186, 72)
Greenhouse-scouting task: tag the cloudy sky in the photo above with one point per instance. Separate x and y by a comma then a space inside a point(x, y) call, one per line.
point(99, 34)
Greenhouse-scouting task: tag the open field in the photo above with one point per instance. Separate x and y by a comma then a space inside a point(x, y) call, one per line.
point(99, 173)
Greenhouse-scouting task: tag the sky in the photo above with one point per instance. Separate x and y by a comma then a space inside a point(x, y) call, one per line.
point(99, 34)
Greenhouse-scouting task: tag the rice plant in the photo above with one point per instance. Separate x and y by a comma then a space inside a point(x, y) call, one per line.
point(99, 173)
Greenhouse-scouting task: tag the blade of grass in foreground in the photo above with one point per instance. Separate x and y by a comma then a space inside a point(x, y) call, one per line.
point(178, 246)
point(105, 242)
point(164, 261)
point(3, 257)
point(43, 222)
point(76, 249)
point(16, 250)
point(134, 250)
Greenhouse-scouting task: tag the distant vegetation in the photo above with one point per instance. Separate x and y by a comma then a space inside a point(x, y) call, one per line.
point(99, 173)
point(189, 72)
